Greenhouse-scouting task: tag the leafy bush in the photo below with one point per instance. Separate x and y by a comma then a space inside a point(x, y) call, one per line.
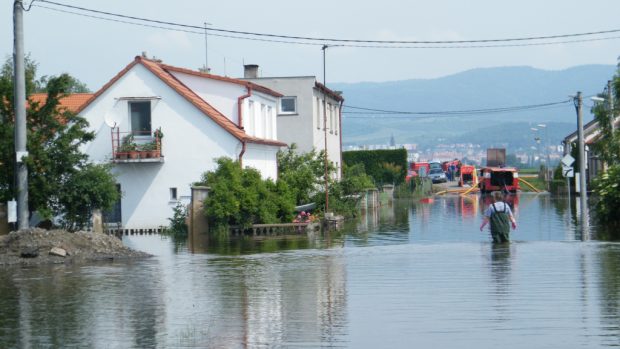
point(91, 187)
point(344, 195)
point(240, 197)
point(178, 222)
point(384, 166)
point(303, 173)
point(607, 186)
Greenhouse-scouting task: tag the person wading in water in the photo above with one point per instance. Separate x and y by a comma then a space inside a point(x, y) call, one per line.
point(500, 216)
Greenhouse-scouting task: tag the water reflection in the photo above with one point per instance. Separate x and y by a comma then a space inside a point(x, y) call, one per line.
point(64, 306)
point(410, 274)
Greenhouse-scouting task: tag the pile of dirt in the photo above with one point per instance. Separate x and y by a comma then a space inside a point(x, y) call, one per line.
point(38, 246)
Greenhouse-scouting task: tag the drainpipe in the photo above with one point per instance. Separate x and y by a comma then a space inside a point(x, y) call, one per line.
point(240, 121)
point(340, 129)
point(240, 106)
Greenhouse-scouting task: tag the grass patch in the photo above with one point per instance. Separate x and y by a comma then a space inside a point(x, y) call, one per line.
point(536, 182)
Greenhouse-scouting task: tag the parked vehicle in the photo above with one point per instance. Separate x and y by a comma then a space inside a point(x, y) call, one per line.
point(468, 175)
point(499, 179)
point(420, 168)
point(437, 175)
point(434, 165)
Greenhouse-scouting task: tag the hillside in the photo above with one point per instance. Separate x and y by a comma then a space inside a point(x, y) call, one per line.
point(474, 89)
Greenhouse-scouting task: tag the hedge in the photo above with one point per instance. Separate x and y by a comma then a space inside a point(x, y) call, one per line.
point(384, 166)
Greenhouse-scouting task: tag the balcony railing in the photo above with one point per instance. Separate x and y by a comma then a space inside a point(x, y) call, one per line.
point(136, 146)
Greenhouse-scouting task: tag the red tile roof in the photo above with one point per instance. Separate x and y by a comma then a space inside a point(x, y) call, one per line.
point(162, 71)
point(71, 102)
point(329, 92)
point(251, 85)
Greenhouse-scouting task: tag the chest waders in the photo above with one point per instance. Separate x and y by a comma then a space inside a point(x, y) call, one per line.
point(500, 225)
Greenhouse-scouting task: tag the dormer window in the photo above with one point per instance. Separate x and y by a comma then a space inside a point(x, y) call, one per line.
point(288, 105)
point(140, 118)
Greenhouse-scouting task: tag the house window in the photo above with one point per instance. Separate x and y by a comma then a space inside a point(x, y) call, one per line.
point(288, 105)
point(173, 194)
point(140, 117)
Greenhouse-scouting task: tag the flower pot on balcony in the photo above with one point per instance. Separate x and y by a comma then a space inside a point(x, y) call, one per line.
point(133, 154)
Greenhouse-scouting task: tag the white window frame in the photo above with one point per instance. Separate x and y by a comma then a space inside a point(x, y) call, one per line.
point(282, 112)
point(137, 133)
point(174, 194)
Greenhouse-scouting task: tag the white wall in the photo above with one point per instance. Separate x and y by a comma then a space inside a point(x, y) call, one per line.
point(191, 142)
point(223, 96)
point(261, 158)
point(333, 129)
point(305, 128)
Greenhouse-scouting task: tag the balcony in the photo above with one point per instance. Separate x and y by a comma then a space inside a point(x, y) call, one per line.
point(136, 147)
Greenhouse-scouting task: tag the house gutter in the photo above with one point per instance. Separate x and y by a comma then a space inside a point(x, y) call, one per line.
point(240, 121)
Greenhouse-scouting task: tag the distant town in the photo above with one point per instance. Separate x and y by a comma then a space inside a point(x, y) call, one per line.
point(470, 153)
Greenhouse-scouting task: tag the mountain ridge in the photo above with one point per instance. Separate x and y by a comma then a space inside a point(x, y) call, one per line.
point(479, 88)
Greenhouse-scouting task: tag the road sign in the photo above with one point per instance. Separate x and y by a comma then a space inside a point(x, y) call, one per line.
point(568, 171)
point(568, 160)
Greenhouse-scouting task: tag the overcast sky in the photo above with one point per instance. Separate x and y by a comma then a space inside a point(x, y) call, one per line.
point(94, 50)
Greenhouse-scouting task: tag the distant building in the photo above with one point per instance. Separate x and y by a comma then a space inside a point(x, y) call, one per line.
point(307, 113)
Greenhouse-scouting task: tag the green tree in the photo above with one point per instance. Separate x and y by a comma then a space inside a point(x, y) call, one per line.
point(54, 138)
point(34, 85)
point(607, 186)
point(92, 187)
point(607, 145)
point(304, 173)
point(240, 197)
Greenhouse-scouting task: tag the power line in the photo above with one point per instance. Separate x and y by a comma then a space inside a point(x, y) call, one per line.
point(350, 42)
point(321, 44)
point(173, 29)
point(396, 113)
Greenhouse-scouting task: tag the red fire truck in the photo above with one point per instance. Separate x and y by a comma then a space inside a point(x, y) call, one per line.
point(498, 179)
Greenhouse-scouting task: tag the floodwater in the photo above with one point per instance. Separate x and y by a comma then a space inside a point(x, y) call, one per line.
point(408, 275)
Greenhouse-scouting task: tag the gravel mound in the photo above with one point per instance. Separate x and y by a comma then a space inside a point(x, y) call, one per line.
point(38, 246)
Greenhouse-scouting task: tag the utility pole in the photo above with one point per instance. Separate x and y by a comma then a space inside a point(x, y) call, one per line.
point(19, 84)
point(610, 100)
point(325, 132)
point(582, 167)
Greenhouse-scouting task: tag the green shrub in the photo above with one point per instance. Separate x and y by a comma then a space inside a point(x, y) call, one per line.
point(384, 166)
point(304, 173)
point(607, 186)
point(240, 197)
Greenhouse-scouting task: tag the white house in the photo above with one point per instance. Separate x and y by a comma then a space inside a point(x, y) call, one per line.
point(308, 113)
point(201, 116)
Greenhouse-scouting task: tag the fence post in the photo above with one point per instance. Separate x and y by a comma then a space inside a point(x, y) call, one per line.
point(197, 220)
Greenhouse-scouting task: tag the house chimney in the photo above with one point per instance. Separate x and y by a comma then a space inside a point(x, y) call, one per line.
point(250, 71)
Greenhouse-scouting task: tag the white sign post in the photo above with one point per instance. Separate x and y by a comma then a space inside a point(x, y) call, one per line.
point(12, 211)
point(567, 160)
